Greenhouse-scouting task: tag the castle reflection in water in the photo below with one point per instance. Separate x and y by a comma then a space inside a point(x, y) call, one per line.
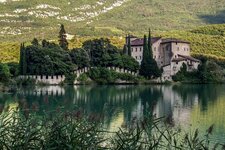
point(182, 104)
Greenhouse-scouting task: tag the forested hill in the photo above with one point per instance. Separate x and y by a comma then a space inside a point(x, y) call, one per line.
point(40, 18)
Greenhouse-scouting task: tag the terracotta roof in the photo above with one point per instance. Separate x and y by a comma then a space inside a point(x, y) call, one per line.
point(173, 40)
point(140, 41)
point(189, 57)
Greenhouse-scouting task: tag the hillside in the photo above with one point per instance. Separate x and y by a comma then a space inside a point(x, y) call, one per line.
point(22, 19)
point(206, 40)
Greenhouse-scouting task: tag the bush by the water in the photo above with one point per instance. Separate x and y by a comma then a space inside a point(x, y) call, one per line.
point(208, 72)
point(103, 75)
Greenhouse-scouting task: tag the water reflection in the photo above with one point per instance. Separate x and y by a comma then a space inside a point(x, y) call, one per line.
point(184, 105)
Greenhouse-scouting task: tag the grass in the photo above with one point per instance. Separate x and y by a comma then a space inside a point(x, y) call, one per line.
point(75, 130)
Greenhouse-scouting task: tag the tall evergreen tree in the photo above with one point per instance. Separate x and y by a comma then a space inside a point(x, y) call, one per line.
point(23, 62)
point(125, 49)
point(150, 43)
point(129, 46)
point(24, 59)
point(21, 59)
point(149, 68)
point(62, 38)
point(35, 42)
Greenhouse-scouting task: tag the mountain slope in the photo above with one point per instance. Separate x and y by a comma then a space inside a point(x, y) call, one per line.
point(40, 18)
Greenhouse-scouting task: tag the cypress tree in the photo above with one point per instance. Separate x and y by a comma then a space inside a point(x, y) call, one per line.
point(150, 43)
point(149, 66)
point(21, 59)
point(24, 60)
point(62, 38)
point(125, 49)
point(129, 46)
point(145, 69)
point(35, 42)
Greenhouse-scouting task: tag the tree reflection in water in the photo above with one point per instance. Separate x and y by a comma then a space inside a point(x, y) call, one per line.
point(118, 105)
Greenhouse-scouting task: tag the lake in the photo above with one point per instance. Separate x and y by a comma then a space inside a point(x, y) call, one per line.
point(187, 106)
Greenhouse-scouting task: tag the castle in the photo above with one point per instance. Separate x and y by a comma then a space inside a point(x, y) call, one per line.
point(169, 53)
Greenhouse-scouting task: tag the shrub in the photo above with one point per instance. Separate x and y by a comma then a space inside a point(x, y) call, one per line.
point(70, 78)
point(4, 73)
point(83, 77)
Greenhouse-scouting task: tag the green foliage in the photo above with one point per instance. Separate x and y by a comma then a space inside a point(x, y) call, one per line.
point(129, 63)
point(132, 16)
point(14, 69)
point(53, 131)
point(181, 75)
point(70, 78)
point(35, 42)
point(149, 68)
point(4, 73)
point(208, 72)
point(23, 60)
point(211, 30)
point(104, 76)
point(207, 45)
point(62, 38)
point(74, 130)
point(48, 60)
point(83, 78)
point(103, 54)
point(100, 51)
point(25, 82)
point(129, 46)
point(80, 57)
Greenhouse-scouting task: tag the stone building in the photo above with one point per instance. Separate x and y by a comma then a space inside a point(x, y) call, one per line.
point(169, 54)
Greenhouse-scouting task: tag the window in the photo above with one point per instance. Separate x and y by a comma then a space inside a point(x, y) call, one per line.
point(159, 56)
point(136, 57)
point(140, 49)
point(177, 62)
point(136, 49)
point(46, 77)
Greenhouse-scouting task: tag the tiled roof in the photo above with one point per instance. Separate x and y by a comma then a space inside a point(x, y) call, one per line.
point(140, 41)
point(189, 57)
point(173, 40)
point(178, 59)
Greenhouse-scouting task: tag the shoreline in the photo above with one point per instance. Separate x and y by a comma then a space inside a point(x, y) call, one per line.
point(7, 88)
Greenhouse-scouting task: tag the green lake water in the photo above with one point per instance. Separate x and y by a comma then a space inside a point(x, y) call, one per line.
point(188, 106)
